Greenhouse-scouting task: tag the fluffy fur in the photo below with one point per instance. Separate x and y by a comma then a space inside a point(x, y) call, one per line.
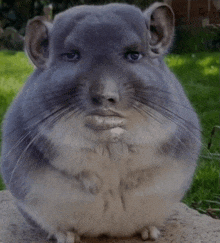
point(102, 138)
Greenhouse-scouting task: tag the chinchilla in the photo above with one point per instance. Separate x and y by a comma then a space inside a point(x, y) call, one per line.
point(102, 138)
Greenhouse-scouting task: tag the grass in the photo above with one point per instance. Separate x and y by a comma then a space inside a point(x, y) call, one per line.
point(14, 70)
point(199, 74)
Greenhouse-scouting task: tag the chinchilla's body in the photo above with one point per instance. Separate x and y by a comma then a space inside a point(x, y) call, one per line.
point(102, 138)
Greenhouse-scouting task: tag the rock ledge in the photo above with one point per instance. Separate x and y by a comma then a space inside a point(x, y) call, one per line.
point(184, 226)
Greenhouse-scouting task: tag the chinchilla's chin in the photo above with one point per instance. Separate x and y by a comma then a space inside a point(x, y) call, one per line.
point(107, 136)
point(83, 131)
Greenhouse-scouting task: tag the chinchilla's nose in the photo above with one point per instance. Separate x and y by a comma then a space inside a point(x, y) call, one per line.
point(105, 93)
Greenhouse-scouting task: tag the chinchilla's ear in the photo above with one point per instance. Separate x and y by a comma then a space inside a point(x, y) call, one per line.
point(37, 40)
point(160, 23)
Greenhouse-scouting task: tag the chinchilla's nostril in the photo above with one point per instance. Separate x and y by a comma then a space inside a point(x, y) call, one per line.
point(101, 100)
point(111, 100)
point(96, 100)
point(112, 97)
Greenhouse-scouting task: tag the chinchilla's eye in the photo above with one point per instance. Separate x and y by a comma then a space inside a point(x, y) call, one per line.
point(133, 55)
point(71, 56)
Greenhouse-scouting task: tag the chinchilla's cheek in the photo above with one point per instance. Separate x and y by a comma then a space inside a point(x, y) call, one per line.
point(102, 138)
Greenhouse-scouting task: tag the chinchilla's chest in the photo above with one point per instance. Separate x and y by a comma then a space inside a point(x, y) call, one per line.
point(113, 161)
point(112, 167)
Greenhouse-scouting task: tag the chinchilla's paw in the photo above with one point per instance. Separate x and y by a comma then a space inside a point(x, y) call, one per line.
point(69, 237)
point(150, 232)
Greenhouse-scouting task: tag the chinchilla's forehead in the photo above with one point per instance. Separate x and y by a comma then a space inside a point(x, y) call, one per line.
point(119, 15)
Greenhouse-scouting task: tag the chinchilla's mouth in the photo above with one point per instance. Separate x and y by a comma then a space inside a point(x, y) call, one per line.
point(104, 120)
point(98, 122)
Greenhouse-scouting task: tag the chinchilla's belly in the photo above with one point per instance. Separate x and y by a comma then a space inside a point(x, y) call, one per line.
point(116, 196)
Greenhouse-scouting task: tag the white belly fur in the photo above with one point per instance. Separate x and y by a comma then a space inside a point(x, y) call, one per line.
point(135, 188)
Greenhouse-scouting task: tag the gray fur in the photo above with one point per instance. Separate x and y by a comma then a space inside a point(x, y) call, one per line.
point(103, 126)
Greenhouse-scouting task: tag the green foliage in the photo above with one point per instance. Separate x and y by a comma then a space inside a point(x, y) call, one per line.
point(14, 69)
point(204, 194)
point(190, 39)
point(198, 73)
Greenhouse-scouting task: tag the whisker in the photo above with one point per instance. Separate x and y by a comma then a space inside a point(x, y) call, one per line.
point(57, 115)
point(20, 157)
point(145, 92)
point(44, 119)
point(179, 121)
point(141, 110)
point(173, 116)
point(17, 143)
point(48, 120)
point(76, 111)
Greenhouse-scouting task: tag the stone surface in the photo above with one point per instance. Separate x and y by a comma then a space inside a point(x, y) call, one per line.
point(184, 226)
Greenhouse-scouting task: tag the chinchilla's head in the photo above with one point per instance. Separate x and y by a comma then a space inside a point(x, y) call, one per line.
point(100, 69)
